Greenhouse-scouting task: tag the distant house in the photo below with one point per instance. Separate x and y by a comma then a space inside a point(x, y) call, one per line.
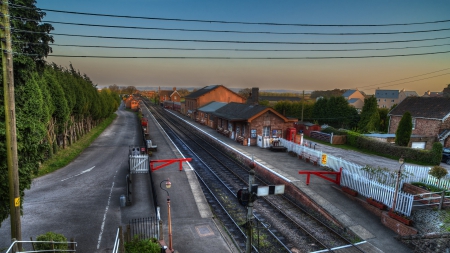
point(355, 98)
point(404, 94)
point(387, 98)
point(433, 94)
point(430, 120)
point(216, 93)
point(169, 95)
point(245, 122)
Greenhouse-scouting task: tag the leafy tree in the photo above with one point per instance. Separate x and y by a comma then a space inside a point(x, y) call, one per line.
point(183, 92)
point(370, 117)
point(327, 93)
point(404, 130)
point(320, 110)
point(245, 92)
point(384, 120)
point(438, 172)
point(31, 112)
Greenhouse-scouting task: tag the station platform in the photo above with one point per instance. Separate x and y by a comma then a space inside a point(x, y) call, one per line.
point(194, 227)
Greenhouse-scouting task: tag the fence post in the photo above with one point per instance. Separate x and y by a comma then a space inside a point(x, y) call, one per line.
point(32, 243)
point(128, 233)
point(121, 242)
point(441, 203)
point(14, 249)
point(72, 244)
point(161, 233)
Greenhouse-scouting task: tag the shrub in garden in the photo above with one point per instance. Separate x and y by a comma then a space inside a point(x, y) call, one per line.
point(51, 236)
point(438, 172)
point(142, 245)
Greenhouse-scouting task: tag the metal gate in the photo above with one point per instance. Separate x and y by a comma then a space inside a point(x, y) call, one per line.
point(138, 164)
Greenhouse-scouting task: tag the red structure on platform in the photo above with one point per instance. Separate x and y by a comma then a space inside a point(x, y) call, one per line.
point(167, 162)
point(321, 175)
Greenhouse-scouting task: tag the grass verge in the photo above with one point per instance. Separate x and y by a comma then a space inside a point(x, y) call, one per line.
point(67, 155)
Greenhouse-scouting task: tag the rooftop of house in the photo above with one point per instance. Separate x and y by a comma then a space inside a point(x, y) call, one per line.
point(212, 106)
point(349, 93)
point(386, 93)
point(238, 111)
point(202, 91)
point(424, 107)
point(353, 100)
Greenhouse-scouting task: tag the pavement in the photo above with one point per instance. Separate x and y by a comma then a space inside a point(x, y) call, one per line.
point(196, 230)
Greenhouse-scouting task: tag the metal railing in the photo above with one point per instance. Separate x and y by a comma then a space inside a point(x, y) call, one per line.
point(432, 199)
point(116, 242)
point(19, 246)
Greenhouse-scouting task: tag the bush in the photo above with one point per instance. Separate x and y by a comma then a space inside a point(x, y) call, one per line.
point(139, 246)
point(438, 172)
point(50, 236)
point(437, 153)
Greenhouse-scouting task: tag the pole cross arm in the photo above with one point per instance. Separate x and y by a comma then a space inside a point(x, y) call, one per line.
point(321, 175)
point(167, 162)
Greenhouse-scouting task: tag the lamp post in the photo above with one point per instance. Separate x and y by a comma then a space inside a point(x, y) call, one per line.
point(397, 183)
point(169, 220)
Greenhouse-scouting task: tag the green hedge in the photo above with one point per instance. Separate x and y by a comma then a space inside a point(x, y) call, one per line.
point(51, 236)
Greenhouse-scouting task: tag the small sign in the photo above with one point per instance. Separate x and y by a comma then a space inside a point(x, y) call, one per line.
point(324, 159)
point(270, 190)
point(17, 202)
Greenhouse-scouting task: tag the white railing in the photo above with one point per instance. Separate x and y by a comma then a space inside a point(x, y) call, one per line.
point(14, 245)
point(380, 192)
point(420, 174)
point(380, 188)
point(116, 242)
point(138, 164)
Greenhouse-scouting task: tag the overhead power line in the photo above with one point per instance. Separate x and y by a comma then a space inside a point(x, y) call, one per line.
point(231, 22)
point(248, 58)
point(239, 41)
point(233, 31)
point(229, 49)
point(410, 81)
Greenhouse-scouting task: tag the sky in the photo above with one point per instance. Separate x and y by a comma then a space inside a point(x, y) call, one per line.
point(291, 44)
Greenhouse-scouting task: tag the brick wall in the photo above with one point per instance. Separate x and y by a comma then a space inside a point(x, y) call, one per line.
point(426, 127)
point(396, 226)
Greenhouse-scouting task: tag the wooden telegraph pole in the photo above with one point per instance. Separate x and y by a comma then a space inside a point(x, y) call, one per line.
point(10, 124)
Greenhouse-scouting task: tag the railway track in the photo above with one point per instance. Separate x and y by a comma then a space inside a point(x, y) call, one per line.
point(280, 225)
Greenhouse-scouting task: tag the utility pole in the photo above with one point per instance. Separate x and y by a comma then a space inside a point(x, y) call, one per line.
point(303, 103)
point(10, 125)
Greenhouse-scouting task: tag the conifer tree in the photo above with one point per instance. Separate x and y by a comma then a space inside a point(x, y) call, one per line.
point(404, 130)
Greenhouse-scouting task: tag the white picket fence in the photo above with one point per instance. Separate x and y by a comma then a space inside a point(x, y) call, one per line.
point(420, 174)
point(138, 164)
point(362, 181)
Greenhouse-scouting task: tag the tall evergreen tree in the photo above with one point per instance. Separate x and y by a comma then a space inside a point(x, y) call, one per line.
point(370, 118)
point(30, 44)
point(404, 130)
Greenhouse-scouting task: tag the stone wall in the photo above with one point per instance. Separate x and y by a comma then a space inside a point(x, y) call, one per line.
point(428, 243)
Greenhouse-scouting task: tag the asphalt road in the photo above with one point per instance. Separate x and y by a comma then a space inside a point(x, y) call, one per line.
point(82, 200)
point(362, 159)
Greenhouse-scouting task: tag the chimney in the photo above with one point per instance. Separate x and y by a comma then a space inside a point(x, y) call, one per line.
point(174, 88)
point(255, 95)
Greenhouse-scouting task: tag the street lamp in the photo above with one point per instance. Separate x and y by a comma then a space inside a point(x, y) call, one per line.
point(169, 220)
point(399, 173)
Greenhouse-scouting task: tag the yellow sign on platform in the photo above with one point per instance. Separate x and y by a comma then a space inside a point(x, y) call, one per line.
point(17, 202)
point(324, 159)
